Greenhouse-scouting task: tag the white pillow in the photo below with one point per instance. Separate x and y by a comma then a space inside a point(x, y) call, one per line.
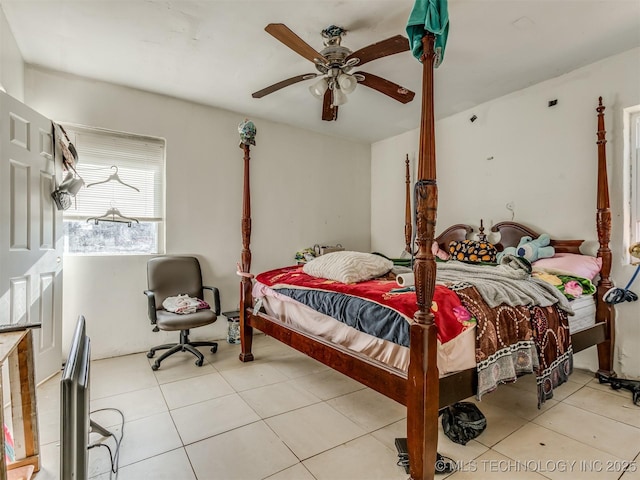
point(348, 267)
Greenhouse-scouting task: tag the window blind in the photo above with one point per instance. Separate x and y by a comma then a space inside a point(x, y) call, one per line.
point(138, 162)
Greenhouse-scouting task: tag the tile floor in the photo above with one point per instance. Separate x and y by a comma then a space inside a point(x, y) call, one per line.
point(287, 417)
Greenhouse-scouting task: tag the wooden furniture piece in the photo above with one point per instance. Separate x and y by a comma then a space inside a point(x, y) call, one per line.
point(421, 389)
point(16, 349)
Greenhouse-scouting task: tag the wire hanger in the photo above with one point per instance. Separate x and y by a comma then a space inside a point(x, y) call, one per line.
point(114, 177)
point(113, 215)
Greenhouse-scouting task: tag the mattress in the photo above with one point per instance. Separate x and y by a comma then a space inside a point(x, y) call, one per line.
point(455, 355)
point(584, 309)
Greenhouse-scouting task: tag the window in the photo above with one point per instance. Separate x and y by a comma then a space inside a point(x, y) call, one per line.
point(104, 157)
point(632, 156)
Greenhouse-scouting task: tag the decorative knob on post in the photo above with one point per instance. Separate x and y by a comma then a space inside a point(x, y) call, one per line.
point(247, 131)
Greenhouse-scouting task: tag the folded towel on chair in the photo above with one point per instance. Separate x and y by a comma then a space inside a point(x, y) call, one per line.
point(183, 304)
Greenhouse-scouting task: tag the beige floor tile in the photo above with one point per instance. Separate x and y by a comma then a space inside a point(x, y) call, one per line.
point(513, 399)
point(581, 376)
point(172, 465)
point(134, 406)
point(387, 435)
point(314, 429)
point(253, 376)
point(492, 466)
point(49, 462)
point(600, 432)
point(297, 472)
point(212, 417)
point(369, 409)
point(146, 437)
point(116, 375)
point(195, 389)
point(610, 405)
point(246, 453)
point(180, 366)
point(500, 423)
point(48, 394)
point(227, 358)
point(328, 384)
point(633, 470)
point(364, 458)
point(554, 455)
point(48, 426)
point(278, 398)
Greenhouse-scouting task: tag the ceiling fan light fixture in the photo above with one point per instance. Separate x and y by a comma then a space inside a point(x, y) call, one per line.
point(339, 98)
point(319, 87)
point(347, 83)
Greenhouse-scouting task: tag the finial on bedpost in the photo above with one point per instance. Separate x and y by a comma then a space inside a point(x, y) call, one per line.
point(482, 237)
point(603, 226)
point(247, 131)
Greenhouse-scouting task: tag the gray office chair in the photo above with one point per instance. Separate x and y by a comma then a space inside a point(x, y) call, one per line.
point(170, 276)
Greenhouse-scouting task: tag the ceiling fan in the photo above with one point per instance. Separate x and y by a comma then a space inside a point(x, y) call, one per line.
point(335, 64)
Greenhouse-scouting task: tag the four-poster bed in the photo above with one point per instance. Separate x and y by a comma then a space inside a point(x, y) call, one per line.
point(420, 387)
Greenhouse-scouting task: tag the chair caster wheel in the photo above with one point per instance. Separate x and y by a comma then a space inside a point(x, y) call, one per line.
point(151, 354)
point(155, 367)
point(199, 363)
point(214, 349)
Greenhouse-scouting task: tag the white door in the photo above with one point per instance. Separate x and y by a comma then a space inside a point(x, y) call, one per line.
point(30, 231)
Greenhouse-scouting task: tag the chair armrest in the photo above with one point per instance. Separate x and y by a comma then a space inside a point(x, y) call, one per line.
point(216, 298)
point(151, 306)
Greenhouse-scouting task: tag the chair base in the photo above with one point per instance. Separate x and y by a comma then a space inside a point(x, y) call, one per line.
point(184, 346)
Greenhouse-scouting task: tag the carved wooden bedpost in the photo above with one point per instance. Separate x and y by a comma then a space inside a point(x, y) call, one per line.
point(247, 135)
point(604, 311)
point(407, 207)
point(423, 378)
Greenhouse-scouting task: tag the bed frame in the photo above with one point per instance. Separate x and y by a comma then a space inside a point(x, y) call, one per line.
point(421, 389)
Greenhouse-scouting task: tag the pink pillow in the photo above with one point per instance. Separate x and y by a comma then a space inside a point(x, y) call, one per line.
point(573, 264)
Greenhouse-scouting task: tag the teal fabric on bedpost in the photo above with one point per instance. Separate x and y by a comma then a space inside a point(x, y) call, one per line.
point(428, 16)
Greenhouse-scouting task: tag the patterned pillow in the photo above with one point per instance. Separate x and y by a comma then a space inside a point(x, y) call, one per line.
point(473, 251)
point(348, 267)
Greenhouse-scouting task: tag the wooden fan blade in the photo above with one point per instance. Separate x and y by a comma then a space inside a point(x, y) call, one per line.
point(390, 46)
point(282, 84)
point(387, 87)
point(329, 113)
point(283, 33)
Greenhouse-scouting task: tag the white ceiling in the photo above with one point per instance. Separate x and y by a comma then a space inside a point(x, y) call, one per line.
point(217, 52)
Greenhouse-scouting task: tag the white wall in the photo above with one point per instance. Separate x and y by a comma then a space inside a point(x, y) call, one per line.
point(306, 188)
point(11, 63)
point(543, 159)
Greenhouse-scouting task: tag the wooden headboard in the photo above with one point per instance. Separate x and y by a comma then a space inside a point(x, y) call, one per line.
point(510, 235)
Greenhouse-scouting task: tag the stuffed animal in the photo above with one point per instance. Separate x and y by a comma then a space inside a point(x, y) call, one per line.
point(530, 249)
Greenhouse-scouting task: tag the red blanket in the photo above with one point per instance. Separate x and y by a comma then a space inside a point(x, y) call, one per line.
point(446, 307)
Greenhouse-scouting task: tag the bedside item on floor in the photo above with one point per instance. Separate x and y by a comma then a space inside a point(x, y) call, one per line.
point(233, 326)
point(617, 383)
point(443, 464)
point(462, 421)
point(170, 276)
